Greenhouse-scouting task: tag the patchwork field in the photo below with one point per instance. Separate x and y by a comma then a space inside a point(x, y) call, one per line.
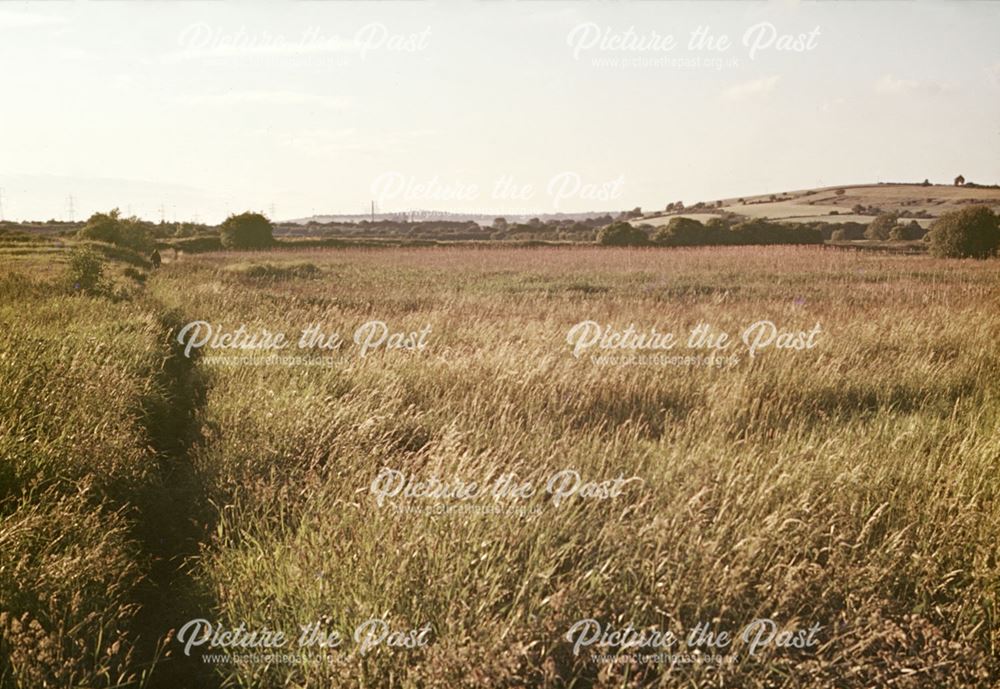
point(817, 205)
point(850, 485)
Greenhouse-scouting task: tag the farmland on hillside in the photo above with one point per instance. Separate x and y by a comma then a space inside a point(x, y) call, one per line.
point(837, 204)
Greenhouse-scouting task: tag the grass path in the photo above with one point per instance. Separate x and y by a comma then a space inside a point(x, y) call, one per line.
point(175, 519)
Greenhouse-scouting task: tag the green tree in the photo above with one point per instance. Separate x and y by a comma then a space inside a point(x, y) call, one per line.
point(881, 226)
point(971, 232)
point(681, 232)
point(621, 234)
point(103, 227)
point(110, 227)
point(247, 231)
point(911, 230)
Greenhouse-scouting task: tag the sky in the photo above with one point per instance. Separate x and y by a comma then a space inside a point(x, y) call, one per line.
point(194, 110)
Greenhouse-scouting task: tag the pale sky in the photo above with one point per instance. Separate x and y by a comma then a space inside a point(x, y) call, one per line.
point(206, 108)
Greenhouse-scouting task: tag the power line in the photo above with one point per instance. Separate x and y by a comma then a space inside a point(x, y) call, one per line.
point(71, 208)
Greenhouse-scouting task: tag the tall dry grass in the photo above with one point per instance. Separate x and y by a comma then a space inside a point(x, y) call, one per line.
point(853, 485)
point(77, 376)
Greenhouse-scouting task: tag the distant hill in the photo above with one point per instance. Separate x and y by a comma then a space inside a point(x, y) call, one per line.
point(849, 203)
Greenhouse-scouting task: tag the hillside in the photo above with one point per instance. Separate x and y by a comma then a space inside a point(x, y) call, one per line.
point(840, 204)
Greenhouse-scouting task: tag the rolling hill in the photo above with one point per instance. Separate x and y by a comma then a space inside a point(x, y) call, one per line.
point(852, 203)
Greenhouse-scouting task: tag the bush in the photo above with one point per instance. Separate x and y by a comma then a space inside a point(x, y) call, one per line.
point(967, 233)
point(915, 230)
point(681, 232)
point(113, 229)
point(621, 234)
point(881, 226)
point(911, 230)
point(268, 271)
point(102, 227)
point(112, 252)
point(762, 231)
point(86, 272)
point(136, 235)
point(247, 231)
point(196, 245)
point(853, 230)
point(136, 275)
point(718, 231)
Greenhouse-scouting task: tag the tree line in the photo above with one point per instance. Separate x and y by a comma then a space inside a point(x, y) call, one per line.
point(972, 232)
point(969, 232)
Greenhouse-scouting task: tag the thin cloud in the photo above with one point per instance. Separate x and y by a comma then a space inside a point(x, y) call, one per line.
point(892, 85)
point(327, 142)
point(749, 89)
point(27, 20)
point(276, 98)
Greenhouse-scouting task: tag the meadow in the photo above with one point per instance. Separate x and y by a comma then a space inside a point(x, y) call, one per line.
point(852, 485)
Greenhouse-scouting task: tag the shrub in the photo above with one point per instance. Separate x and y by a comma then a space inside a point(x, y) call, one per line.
point(196, 245)
point(112, 252)
point(853, 230)
point(86, 272)
point(838, 235)
point(718, 231)
point(909, 231)
point(681, 232)
point(102, 227)
point(136, 275)
point(761, 231)
point(621, 234)
point(135, 235)
point(247, 231)
point(111, 228)
point(268, 271)
point(915, 230)
point(881, 226)
point(967, 233)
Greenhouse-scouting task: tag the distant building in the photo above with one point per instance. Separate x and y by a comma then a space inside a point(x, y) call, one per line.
point(959, 181)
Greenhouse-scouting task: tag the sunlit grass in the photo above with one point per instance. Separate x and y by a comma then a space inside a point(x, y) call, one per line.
point(853, 485)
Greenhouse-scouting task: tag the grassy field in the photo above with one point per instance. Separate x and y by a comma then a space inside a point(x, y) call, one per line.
point(852, 485)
